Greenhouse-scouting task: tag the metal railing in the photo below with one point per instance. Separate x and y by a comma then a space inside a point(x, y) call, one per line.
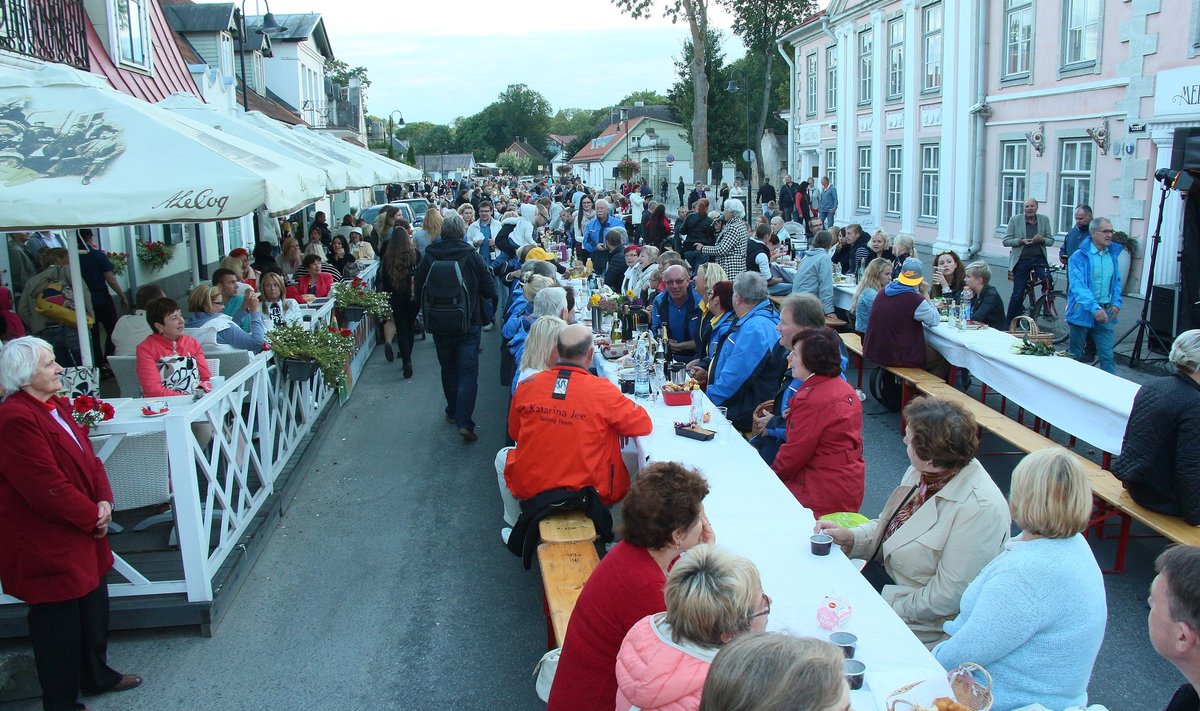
point(53, 30)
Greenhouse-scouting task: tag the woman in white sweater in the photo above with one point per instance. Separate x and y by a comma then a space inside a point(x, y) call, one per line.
point(1035, 616)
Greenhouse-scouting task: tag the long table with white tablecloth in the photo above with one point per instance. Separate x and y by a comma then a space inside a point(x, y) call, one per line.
point(753, 514)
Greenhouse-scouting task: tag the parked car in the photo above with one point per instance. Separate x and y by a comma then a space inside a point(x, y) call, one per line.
point(406, 211)
point(419, 207)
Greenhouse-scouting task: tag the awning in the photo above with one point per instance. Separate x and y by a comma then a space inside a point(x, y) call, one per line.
point(334, 174)
point(398, 171)
point(357, 176)
point(370, 173)
point(76, 153)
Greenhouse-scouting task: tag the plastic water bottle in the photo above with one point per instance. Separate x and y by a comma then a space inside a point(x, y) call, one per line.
point(641, 370)
point(965, 305)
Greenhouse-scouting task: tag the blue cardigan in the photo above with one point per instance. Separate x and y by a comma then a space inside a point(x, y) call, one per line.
point(1081, 302)
point(1034, 618)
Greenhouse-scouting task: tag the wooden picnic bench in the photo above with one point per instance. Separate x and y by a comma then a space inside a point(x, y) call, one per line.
point(831, 321)
point(567, 556)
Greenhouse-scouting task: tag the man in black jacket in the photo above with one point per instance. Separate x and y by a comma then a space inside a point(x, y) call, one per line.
point(787, 199)
point(766, 193)
point(458, 353)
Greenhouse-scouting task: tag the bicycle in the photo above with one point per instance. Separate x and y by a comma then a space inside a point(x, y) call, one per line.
point(1048, 310)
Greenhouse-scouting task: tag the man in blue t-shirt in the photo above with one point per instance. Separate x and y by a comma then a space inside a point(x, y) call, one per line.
point(678, 308)
point(97, 272)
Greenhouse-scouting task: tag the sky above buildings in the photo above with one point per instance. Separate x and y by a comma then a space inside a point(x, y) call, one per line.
point(434, 61)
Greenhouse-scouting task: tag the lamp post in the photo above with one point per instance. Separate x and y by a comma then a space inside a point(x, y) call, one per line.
point(269, 27)
point(733, 88)
point(392, 127)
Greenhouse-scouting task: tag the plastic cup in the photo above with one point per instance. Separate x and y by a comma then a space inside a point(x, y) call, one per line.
point(855, 671)
point(821, 543)
point(846, 641)
point(724, 426)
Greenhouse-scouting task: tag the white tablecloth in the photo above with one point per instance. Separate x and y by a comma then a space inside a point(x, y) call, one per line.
point(753, 514)
point(1076, 398)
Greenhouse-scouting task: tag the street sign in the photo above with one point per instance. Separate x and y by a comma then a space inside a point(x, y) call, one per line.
point(670, 158)
point(747, 155)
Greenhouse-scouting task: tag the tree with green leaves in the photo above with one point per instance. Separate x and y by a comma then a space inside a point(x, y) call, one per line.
point(342, 73)
point(649, 97)
point(410, 156)
point(726, 117)
point(513, 163)
point(760, 24)
point(696, 14)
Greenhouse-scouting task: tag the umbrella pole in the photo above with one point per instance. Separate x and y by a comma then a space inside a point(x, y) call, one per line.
point(79, 289)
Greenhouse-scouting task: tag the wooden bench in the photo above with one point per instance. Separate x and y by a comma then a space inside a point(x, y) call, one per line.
point(831, 321)
point(565, 568)
point(854, 346)
point(567, 528)
point(1111, 498)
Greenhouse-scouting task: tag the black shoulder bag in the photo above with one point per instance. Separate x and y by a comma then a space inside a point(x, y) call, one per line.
point(874, 571)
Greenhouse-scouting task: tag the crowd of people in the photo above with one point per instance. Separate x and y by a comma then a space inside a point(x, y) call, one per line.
point(668, 619)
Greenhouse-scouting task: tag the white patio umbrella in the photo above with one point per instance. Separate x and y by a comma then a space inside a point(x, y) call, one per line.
point(371, 171)
point(358, 174)
point(335, 175)
point(76, 153)
point(399, 172)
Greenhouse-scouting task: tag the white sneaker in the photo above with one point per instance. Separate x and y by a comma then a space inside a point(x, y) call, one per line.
point(489, 327)
point(504, 534)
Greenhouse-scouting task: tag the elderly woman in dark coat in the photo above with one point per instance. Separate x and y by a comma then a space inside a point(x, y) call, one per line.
point(55, 508)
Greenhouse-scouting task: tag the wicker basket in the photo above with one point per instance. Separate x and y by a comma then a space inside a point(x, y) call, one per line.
point(1031, 331)
point(971, 684)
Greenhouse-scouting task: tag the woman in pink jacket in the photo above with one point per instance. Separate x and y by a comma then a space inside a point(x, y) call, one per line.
point(168, 362)
point(712, 597)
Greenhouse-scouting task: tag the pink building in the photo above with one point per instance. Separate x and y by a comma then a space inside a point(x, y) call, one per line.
point(938, 118)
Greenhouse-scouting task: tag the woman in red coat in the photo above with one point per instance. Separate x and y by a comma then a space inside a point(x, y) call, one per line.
point(313, 284)
point(55, 507)
point(822, 460)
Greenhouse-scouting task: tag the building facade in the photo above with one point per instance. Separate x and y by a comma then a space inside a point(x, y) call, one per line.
point(938, 119)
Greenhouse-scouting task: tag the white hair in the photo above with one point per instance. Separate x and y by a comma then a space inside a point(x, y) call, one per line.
point(18, 361)
point(601, 201)
point(551, 301)
point(750, 286)
point(1185, 353)
point(736, 207)
point(776, 219)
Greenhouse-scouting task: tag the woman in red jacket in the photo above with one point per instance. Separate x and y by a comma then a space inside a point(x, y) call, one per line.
point(170, 363)
point(822, 460)
point(55, 508)
point(663, 516)
point(313, 284)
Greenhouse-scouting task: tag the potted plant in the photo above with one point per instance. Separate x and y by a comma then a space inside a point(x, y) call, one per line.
point(302, 351)
point(154, 255)
point(1125, 259)
point(89, 411)
point(628, 168)
point(355, 298)
point(119, 261)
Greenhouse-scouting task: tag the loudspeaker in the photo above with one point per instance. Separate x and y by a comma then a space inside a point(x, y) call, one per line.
point(1185, 149)
point(717, 172)
point(1163, 300)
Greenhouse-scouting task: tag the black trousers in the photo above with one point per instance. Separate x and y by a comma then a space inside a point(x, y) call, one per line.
point(106, 315)
point(70, 648)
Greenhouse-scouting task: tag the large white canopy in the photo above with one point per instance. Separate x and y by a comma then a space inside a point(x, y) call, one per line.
point(357, 174)
point(76, 153)
point(335, 174)
point(398, 171)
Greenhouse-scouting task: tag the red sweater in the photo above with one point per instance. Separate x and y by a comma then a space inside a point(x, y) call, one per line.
point(624, 588)
point(155, 347)
point(822, 460)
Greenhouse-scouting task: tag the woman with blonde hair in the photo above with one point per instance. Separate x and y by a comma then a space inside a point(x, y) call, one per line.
point(467, 212)
point(712, 597)
point(431, 228)
point(278, 310)
point(776, 672)
point(903, 247)
point(289, 257)
point(876, 276)
point(209, 325)
point(1035, 616)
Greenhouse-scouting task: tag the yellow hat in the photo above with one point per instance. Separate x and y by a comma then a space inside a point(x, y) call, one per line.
point(539, 254)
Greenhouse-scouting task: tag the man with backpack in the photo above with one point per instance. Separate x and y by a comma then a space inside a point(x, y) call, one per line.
point(457, 296)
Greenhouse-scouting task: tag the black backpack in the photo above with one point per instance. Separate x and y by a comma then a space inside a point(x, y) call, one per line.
point(446, 301)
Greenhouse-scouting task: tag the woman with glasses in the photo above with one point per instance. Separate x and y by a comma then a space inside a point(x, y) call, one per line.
point(713, 597)
point(663, 517)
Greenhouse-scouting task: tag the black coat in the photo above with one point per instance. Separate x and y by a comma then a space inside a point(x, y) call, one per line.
point(987, 308)
point(1160, 458)
point(476, 277)
point(696, 228)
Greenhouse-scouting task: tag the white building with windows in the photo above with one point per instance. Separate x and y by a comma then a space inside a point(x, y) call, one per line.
point(937, 118)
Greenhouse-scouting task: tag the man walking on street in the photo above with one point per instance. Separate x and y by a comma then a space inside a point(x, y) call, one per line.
point(827, 203)
point(1028, 236)
point(787, 199)
point(680, 189)
point(766, 193)
point(1094, 293)
point(453, 283)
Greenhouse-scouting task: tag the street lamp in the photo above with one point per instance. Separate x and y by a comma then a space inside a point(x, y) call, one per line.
point(733, 88)
point(269, 27)
point(392, 127)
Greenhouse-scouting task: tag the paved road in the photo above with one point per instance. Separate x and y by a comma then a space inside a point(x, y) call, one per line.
point(386, 587)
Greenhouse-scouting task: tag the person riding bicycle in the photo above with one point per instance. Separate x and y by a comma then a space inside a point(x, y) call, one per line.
point(1028, 235)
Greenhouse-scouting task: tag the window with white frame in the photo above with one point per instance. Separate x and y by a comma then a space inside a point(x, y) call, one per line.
point(864, 177)
point(226, 59)
point(831, 165)
point(931, 47)
point(866, 66)
point(931, 158)
point(260, 73)
point(1018, 37)
point(895, 156)
point(895, 76)
point(1075, 179)
point(831, 78)
point(1081, 31)
point(1014, 164)
point(812, 84)
point(133, 33)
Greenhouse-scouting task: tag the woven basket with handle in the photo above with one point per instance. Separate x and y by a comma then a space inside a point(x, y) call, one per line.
point(971, 684)
point(1027, 329)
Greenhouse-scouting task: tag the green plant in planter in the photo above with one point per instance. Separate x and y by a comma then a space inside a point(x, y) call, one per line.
point(330, 347)
point(628, 168)
point(155, 255)
point(357, 293)
point(1129, 243)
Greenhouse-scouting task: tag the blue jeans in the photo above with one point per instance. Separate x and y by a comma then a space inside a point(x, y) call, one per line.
point(826, 219)
point(783, 288)
point(1021, 275)
point(458, 357)
point(1102, 334)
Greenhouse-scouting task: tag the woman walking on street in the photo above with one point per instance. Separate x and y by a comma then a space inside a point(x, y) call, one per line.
point(396, 278)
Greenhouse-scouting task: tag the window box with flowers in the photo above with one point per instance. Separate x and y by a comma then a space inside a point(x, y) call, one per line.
point(155, 255)
point(302, 352)
point(355, 298)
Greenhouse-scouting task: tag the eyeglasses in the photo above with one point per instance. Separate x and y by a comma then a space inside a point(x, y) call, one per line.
point(676, 281)
point(766, 599)
point(218, 303)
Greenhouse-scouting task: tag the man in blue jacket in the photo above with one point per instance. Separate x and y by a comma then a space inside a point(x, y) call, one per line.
point(677, 308)
point(1094, 293)
point(594, 232)
point(746, 367)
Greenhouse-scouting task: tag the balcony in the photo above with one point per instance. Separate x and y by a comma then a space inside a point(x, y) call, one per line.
point(342, 114)
point(51, 30)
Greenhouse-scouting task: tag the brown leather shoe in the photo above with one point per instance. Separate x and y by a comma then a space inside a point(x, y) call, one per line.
point(127, 682)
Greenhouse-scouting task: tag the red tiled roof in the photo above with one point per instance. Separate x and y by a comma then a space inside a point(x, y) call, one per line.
point(588, 153)
point(170, 72)
point(268, 106)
